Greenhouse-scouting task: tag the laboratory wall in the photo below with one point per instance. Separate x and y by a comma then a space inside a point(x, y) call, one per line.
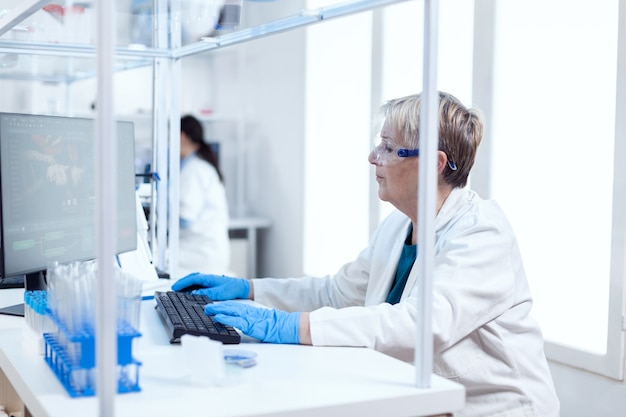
point(275, 150)
point(273, 83)
point(584, 394)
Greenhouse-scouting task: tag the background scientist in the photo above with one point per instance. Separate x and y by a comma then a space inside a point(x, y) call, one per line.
point(204, 244)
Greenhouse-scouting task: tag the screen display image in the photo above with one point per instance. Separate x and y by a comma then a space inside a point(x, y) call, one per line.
point(49, 195)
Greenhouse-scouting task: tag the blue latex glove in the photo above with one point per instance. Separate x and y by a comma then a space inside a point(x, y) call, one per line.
point(216, 287)
point(267, 325)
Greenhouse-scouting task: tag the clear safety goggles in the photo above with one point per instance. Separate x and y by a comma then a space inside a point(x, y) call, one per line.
point(385, 152)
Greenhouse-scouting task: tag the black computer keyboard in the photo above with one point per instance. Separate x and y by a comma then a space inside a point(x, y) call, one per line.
point(183, 313)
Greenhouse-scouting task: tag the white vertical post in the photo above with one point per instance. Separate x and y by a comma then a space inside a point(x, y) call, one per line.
point(106, 139)
point(483, 69)
point(173, 96)
point(427, 196)
point(161, 73)
point(241, 202)
point(377, 58)
point(160, 121)
point(157, 241)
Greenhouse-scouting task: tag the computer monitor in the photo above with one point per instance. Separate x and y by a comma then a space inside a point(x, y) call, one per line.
point(48, 194)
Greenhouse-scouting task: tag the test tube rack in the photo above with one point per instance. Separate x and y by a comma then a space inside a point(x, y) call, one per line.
point(71, 356)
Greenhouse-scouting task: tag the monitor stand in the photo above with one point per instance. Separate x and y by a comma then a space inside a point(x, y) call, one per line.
point(14, 310)
point(15, 281)
point(31, 282)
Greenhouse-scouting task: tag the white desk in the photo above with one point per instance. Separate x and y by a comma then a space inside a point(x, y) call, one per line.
point(287, 381)
point(249, 226)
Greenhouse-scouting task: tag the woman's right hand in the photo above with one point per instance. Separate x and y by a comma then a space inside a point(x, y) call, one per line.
point(216, 287)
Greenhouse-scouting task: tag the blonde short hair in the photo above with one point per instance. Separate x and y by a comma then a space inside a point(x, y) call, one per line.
point(460, 131)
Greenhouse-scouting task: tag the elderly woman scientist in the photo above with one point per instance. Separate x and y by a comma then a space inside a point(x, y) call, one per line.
point(484, 337)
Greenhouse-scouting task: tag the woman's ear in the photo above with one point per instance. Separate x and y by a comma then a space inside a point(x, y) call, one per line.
point(442, 161)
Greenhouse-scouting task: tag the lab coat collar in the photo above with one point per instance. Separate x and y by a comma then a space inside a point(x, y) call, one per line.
point(458, 198)
point(186, 159)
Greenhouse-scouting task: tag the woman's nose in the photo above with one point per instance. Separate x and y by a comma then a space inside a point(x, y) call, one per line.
point(373, 157)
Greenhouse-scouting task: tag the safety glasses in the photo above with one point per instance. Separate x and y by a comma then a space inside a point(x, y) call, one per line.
point(387, 152)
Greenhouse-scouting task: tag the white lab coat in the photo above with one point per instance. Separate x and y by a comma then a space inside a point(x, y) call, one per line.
point(204, 244)
point(483, 335)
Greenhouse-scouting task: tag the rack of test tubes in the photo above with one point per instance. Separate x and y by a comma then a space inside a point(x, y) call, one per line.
point(37, 320)
point(69, 349)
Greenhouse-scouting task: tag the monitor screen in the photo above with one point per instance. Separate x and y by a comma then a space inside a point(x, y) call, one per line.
point(48, 187)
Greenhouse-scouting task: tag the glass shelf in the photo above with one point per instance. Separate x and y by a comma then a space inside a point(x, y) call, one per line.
point(40, 21)
point(55, 69)
point(51, 42)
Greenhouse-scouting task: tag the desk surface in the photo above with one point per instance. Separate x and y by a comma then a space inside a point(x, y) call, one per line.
point(288, 380)
point(248, 222)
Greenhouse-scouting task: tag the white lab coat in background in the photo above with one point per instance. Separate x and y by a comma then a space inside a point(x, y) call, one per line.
point(483, 335)
point(204, 244)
